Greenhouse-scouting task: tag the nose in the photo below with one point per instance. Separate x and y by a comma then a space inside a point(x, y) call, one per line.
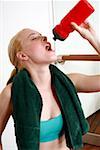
point(44, 38)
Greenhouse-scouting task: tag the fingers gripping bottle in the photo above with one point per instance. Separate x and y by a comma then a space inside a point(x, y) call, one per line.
point(77, 14)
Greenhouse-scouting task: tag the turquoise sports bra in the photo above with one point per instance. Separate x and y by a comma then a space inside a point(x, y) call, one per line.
point(51, 129)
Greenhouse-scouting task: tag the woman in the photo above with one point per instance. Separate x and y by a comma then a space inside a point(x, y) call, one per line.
point(39, 91)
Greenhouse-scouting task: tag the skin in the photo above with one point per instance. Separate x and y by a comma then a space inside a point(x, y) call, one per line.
point(36, 58)
point(88, 33)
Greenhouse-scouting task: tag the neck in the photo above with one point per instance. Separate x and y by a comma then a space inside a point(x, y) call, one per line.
point(40, 75)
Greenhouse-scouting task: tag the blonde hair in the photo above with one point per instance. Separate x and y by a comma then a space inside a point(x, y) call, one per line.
point(15, 46)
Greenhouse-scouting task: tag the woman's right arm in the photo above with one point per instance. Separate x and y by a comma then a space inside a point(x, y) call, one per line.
point(5, 109)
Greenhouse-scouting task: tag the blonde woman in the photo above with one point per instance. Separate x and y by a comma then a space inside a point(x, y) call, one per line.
point(42, 100)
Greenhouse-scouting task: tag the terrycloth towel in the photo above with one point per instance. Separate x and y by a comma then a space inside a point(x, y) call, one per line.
point(77, 125)
point(27, 106)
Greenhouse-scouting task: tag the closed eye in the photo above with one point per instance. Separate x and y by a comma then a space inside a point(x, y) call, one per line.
point(34, 38)
point(37, 37)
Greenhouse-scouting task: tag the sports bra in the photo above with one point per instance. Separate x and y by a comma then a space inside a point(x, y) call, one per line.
point(51, 129)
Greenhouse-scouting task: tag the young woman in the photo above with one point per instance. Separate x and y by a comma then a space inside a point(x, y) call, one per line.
point(42, 100)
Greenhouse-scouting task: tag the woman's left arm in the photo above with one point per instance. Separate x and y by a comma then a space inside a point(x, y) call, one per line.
point(88, 33)
point(85, 83)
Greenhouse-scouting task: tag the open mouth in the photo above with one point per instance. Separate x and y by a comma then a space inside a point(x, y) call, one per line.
point(48, 47)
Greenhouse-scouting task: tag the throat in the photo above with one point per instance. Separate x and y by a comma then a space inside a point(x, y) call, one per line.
point(43, 83)
point(42, 79)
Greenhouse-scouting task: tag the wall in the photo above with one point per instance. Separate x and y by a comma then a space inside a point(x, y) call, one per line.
point(40, 16)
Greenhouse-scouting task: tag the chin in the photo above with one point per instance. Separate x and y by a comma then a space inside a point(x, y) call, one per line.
point(50, 60)
point(54, 59)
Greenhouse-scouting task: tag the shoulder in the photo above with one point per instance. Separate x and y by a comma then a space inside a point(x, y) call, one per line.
point(6, 92)
point(73, 77)
point(5, 101)
point(5, 106)
point(77, 78)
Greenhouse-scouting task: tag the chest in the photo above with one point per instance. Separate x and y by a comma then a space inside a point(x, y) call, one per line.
point(51, 107)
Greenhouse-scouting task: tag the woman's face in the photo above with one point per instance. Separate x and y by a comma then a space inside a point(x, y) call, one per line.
point(37, 48)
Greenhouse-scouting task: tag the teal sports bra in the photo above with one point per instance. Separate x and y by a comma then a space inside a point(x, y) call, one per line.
point(51, 129)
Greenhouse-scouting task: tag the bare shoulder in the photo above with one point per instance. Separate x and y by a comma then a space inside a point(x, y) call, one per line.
point(6, 92)
point(5, 101)
point(78, 79)
point(5, 106)
point(73, 77)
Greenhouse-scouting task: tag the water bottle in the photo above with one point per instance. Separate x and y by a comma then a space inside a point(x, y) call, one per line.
point(77, 14)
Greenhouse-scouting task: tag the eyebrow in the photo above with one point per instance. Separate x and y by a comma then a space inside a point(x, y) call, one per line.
point(33, 34)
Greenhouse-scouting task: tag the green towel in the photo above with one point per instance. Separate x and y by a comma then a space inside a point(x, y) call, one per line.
point(27, 107)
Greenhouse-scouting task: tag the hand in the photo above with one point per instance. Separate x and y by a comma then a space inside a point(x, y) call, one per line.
point(60, 60)
point(85, 30)
point(88, 33)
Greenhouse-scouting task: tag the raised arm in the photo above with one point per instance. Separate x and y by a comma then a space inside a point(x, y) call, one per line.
point(85, 83)
point(5, 109)
point(88, 33)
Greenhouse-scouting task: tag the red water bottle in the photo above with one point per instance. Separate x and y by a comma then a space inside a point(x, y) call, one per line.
point(77, 14)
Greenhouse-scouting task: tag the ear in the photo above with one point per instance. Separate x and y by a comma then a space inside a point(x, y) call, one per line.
point(21, 55)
